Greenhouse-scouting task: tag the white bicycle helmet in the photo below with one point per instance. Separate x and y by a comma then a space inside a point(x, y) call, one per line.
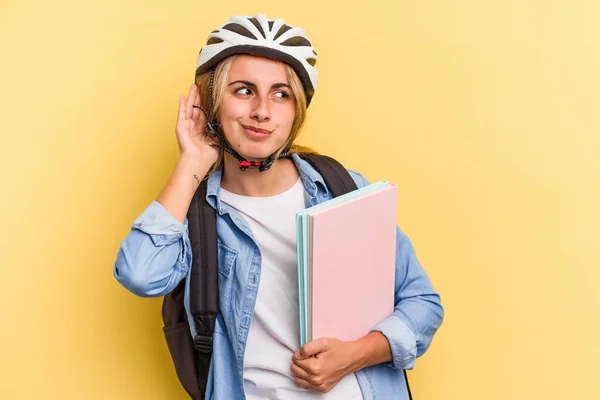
point(264, 37)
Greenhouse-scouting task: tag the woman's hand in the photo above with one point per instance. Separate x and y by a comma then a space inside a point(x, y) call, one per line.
point(322, 363)
point(193, 140)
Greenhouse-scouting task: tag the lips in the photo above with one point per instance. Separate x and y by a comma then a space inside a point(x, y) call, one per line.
point(256, 133)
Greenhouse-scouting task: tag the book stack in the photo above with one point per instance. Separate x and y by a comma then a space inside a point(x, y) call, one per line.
point(346, 263)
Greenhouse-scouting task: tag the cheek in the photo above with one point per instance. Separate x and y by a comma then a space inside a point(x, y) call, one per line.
point(231, 111)
point(228, 119)
point(287, 118)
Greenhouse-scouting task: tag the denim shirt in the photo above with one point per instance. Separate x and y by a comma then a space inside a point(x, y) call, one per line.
point(156, 255)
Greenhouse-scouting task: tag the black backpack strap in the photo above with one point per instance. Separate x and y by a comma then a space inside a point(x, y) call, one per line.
point(204, 278)
point(179, 340)
point(337, 178)
point(191, 356)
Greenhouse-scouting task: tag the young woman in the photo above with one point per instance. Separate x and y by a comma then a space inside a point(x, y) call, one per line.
point(254, 81)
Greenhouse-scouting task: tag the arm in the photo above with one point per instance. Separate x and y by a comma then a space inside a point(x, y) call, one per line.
point(156, 254)
point(177, 195)
point(372, 349)
point(418, 312)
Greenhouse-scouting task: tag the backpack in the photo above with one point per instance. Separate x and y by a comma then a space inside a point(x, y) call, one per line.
point(191, 356)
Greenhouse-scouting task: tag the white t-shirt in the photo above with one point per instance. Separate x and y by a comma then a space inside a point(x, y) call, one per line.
point(274, 333)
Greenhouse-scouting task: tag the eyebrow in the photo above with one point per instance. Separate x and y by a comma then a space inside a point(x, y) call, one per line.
point(253, 85)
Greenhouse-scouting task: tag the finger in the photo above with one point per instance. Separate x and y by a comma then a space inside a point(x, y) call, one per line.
point(309, 387)
point(181, 112)
point(299, 372)
point(190, 100)
point(314, 347)
point(304, 383)
point(313, 379)
point(196, 111)
point(311, 365)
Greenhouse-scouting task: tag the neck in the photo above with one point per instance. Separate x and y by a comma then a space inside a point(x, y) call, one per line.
point(280, 177)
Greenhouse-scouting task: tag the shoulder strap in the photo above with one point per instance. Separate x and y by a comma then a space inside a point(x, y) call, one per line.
point(337, 178)
point(204, 278)
point(204, 299)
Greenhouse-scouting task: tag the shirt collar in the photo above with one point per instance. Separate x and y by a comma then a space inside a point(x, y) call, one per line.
point(310, 178)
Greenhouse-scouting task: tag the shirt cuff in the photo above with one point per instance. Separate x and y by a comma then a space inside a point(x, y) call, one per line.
point(402, 342)
point(157, 222)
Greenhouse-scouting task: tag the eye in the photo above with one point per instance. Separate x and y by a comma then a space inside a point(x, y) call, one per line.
point(282, 94)
point(244, 91)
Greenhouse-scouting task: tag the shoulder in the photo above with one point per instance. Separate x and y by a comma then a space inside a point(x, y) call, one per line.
point(307, 169)
point(359, 178)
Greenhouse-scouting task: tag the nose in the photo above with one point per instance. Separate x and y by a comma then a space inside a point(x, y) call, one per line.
point(260, 111)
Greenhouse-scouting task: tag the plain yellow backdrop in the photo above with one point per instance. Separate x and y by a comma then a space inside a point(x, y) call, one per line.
point(484, 113)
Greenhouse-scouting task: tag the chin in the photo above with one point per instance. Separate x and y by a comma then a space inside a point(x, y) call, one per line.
point(256, 151)
point(257, 155)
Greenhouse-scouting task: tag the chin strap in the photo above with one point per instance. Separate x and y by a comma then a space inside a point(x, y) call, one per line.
point(216, 130)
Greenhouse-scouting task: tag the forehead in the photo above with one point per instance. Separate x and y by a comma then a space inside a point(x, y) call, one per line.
point(257, 70)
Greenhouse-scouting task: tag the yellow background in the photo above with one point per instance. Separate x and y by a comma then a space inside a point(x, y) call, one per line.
point(484, 113)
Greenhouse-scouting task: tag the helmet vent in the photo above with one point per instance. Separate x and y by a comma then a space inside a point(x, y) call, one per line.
point(284, 28)
point(258, 26)
point(240, 30)
point(214, 40)
point(296, 41)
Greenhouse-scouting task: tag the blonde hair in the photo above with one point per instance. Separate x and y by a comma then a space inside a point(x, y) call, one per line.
point(219, 87)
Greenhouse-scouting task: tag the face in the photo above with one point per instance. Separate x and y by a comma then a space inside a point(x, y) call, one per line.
point(258, 107)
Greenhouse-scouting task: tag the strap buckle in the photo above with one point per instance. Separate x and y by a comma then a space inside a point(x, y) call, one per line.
point(203, 343)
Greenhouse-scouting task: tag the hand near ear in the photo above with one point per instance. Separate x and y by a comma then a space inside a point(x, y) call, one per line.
point(191, 132)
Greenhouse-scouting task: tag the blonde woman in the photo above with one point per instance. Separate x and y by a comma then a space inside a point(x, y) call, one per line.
point(255, 79)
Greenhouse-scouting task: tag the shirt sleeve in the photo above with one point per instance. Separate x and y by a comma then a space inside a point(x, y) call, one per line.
point(418, 312)
point(155, 255)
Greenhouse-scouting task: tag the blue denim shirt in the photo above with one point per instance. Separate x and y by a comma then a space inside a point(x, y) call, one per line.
point(156, 255)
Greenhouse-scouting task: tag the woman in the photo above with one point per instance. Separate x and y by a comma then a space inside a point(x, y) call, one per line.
point(254, 81)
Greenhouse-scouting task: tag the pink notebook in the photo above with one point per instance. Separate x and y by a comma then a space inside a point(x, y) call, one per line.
point(351, 265)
